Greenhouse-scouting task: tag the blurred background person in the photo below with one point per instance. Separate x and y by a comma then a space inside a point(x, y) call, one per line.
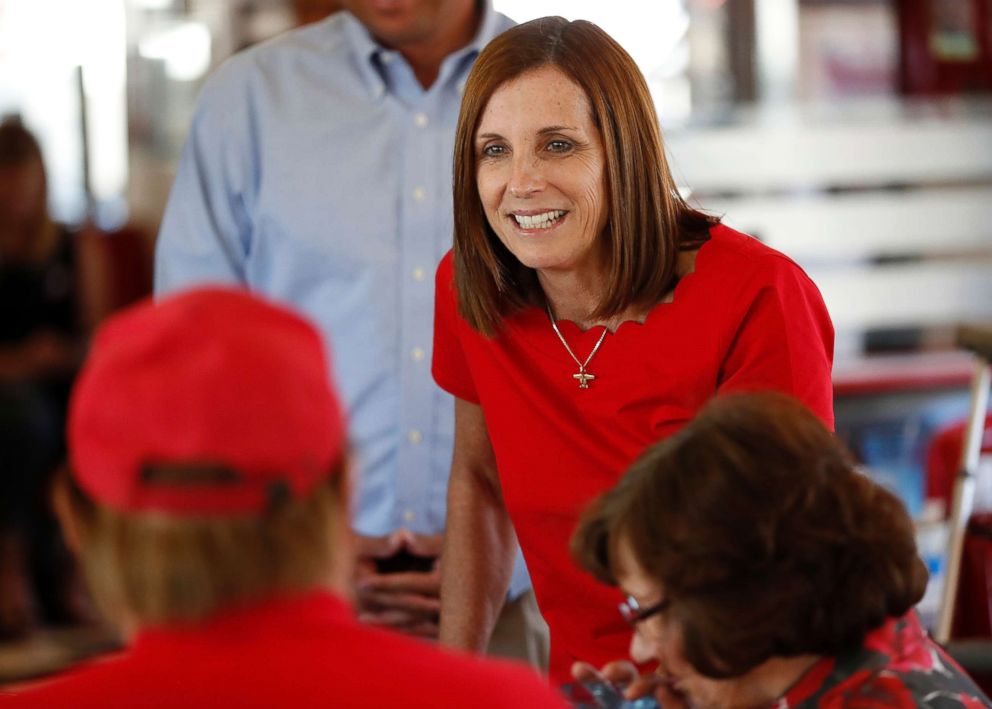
point(586, 311)
point(41, 343)
point(338, 202)
point(207, 498)
point(762, 569)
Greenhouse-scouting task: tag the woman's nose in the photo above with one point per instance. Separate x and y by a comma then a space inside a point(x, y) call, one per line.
point(641, 649)
point(526, 178)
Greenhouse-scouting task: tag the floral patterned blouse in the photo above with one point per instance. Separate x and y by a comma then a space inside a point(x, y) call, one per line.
point(897, 666)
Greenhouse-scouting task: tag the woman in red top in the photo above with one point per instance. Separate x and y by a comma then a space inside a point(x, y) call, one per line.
point(586, 312)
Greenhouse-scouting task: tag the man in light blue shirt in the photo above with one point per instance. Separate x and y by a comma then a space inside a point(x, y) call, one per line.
point(317, 171)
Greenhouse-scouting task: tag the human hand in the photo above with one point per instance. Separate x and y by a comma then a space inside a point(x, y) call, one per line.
point(405, 600)
point(636, 689)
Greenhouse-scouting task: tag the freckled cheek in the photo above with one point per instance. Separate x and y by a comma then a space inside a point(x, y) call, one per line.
point(489, 194)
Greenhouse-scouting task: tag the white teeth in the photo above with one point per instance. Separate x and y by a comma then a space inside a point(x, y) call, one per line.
point(539, 221)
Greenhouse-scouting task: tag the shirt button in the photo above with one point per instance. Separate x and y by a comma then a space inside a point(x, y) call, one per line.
point(419, 194)
point(409, 516)
point(387, 57)
point(377, 91)
point(420, 120)
point(419, 274)
point(415, 436)
point(417, 354)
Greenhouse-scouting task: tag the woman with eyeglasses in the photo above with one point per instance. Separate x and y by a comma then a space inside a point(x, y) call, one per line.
point(762, 569)
point(585, 312)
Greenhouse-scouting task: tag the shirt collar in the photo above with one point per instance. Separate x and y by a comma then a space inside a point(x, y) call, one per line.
point(366, 50)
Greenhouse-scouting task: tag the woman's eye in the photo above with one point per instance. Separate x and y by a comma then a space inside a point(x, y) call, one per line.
point(492, 151)
point(559, 146)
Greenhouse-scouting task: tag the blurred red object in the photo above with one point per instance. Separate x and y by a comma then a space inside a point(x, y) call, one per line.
point(944, 458)
point(945, 46)
point(116, 269)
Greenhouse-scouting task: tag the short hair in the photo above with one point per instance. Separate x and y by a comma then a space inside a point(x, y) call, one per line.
point(158, 568)
point(763, 533)
point(17, 144)
point(648, 221)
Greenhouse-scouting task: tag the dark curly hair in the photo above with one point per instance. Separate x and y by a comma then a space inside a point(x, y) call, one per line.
point(766, 538)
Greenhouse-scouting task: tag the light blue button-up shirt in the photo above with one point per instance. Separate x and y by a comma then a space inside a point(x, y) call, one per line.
point(317, 171)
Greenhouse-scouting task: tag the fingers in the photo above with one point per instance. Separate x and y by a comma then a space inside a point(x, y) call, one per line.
point(381, 547)
point(423, 544)
point(620, 672)
point(584, 672)
point(404, 622)
point(407, 601)
point(364, 568)
point(423, 629)
point(423, 605)
point(623, 675)
point(420, 583)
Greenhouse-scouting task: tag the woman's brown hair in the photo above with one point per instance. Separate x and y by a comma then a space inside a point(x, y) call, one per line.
point(766, 538)
point(648, 221)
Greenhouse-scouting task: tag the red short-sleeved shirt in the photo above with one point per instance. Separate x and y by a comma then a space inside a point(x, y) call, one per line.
point(747, 318)
point(292, 651)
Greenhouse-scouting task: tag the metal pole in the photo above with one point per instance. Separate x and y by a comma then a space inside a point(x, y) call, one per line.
point(964, 485)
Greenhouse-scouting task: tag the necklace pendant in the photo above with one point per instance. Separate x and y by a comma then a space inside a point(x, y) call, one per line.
point(583, 378)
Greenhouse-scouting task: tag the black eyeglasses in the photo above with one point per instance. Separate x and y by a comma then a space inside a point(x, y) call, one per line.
point(634, 614)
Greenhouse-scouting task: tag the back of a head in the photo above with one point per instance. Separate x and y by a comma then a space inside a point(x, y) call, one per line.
point(763, 533)
point(23, 191)
point(205, 454)
point(17, 144)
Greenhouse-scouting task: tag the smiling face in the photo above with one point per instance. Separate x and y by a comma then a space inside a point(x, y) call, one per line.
point(541, 173)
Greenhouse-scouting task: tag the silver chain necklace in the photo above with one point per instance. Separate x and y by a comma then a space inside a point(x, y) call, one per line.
point(582, 376)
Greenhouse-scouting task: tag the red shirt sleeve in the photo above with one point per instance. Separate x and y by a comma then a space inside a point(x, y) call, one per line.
point(784, 343)
point(450, 366)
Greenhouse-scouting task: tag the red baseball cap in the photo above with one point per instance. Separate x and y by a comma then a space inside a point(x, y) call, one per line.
point(212, 377)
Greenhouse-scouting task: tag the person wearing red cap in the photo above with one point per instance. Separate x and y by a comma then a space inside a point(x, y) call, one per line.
point(207, 500)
